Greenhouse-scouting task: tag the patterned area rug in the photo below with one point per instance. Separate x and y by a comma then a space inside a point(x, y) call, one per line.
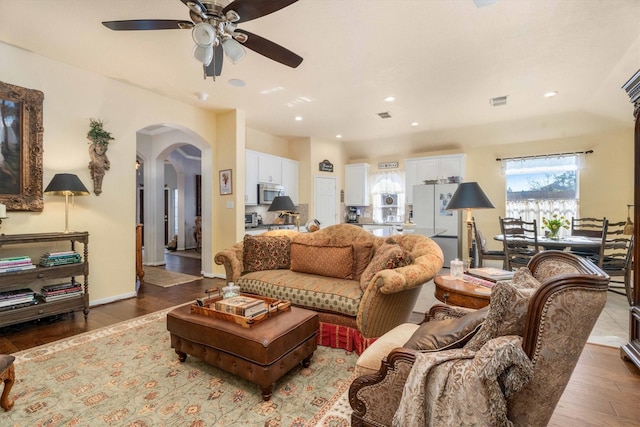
point(128, 375)
point(160, 277)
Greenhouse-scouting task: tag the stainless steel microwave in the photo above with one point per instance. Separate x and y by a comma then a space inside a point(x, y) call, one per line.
point(268, 192)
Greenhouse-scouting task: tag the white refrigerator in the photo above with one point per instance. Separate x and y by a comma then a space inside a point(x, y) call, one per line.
point(429, 203)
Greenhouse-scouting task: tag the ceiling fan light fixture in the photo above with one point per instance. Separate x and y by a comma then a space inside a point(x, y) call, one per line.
point(234, 50)
point(203, 34)
point(203, 54)
point(232, 16)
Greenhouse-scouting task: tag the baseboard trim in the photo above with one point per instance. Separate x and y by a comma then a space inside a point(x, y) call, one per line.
point(112, 299)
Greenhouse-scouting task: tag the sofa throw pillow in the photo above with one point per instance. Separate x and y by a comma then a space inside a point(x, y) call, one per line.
point(507, 309)
point(446, 334)
point(362, 256)
point(389, 255)
point(330, 261)
point(266, 252)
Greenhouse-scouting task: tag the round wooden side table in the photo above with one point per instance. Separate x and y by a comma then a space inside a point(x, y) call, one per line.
point(460, 293)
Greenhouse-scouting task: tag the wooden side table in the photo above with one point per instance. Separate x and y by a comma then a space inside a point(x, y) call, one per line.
point(461, 293)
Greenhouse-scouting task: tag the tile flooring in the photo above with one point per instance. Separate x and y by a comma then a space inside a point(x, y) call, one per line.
point(611, 329)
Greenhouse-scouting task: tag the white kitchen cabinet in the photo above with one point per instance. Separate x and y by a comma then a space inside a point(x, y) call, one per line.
point(262, 167)
point(269, 169)
point(251, 178)
point(420, 169)
point(357, 184)
point(290, 178)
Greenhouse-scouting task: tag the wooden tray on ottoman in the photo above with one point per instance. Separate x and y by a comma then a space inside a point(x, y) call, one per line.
point(274, 307)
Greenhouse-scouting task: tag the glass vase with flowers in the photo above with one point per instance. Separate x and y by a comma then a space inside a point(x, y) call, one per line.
point(553, 225)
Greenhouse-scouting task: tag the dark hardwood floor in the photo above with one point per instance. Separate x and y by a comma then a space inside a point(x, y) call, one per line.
point(604, 389)
point(151, 298)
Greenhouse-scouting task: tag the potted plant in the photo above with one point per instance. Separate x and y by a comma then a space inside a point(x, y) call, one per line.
point(554, 224)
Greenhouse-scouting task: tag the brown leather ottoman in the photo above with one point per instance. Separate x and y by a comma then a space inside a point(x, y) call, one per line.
point(261, 354)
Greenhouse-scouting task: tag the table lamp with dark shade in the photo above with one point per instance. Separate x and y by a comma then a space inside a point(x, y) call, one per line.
point(285, 205)
point(66, 184)
point(467, 197)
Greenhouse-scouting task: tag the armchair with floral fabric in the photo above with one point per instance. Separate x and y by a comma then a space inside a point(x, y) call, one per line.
point(511, 370)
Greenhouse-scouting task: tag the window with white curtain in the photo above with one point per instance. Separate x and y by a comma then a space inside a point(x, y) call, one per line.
point(541, 186)
point(389, 198)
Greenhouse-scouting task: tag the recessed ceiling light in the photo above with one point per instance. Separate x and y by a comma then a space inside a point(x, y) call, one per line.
point(550, 94)
point(338, 136)
point(237, 83)
point(298, 118)
point(414, 124)
point(390, 99)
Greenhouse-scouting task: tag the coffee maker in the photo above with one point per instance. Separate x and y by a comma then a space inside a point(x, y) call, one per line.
point(352, 215)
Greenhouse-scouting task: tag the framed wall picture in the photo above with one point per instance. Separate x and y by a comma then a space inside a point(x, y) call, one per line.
point(21, 148)
point(225, 182)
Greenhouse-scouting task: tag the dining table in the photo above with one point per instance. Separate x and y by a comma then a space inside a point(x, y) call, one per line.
point(563, 242)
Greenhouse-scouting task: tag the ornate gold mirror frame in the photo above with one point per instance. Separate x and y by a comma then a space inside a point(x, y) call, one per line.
point(21, 148)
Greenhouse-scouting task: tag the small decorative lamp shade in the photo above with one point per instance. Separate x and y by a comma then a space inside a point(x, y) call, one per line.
point(285, 204)
point(66, 184)
point(282, 203)
point(469, 196)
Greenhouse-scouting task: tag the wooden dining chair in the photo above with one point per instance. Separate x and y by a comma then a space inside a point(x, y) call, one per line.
point(616, 258)
point(482, 252)
point(520, 241)
point(588, 227)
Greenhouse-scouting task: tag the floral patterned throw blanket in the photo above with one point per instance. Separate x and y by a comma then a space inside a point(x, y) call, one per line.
point(462, 387)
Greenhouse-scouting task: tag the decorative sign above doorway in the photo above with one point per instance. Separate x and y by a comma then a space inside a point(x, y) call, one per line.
point(388, 165)
point(326, 166)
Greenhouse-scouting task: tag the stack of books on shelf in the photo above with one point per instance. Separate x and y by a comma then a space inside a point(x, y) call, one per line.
point(17, 298)
point(17, 263)
point(486, 276)
point(61, 291)
point(241, 306)
point(51, 259)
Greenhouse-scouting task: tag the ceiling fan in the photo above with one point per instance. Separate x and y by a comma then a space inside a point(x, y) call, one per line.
point(214, 28)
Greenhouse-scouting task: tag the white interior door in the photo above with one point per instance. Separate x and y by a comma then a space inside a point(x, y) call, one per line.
point(325, 201)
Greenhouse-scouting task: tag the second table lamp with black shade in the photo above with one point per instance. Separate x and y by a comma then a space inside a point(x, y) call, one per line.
point(285, 205)
point(66, 184)
point(469, 196)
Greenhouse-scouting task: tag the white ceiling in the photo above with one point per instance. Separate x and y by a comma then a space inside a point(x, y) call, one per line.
point(442, 60)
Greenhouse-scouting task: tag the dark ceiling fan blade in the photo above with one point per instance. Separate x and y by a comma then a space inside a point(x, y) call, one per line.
point(147, 24)
point(215, 67)
point(270, 49)
point(252, 9)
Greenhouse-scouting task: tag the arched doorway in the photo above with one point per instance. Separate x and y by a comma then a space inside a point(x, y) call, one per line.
point(190, 155)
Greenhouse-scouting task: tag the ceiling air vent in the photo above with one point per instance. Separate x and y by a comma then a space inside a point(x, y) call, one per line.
point(498, 101)
point(385, 115)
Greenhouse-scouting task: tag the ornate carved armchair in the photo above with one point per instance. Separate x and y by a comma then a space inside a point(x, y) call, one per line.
point(558, 321)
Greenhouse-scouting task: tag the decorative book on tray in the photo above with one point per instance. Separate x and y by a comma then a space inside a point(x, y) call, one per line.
point(241, 305)
point(258, 312)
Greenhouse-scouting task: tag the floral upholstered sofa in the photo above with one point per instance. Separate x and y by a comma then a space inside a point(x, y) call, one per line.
point(361, 285)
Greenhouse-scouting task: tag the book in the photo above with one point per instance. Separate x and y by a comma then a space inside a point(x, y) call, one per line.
point(241, 306)
point(17, 268)
point(50, 298)
point(490, 273)
point(478, 281)
point(16, 293)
